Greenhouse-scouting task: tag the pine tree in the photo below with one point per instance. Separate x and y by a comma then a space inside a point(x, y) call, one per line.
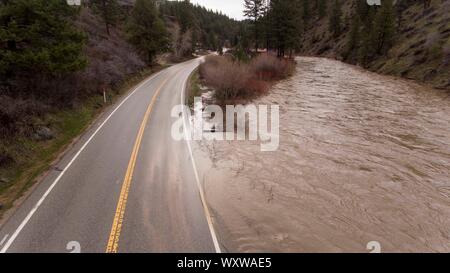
point(306, 11)
point(254, 10)
point(287, 24)
point(321, 8)
point(37, 36)
point(335, 24)
point(367, 50)
point(203, 24)
point(354, 38)
point(109, 10)
point(384, 27)
point(267, 23)
point(185, 16)
point(146, 30)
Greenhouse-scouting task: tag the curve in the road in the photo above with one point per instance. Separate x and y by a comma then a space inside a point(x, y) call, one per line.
point(164, 213)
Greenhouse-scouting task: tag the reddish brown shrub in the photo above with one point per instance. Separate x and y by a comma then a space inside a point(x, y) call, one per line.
point(234, 80)
point(255, 87)
point(227, 77)
point(268, 67)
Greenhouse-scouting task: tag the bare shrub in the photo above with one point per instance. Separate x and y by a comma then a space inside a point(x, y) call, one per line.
point(211, 61)
point(227, 77)
point(182, 43)
point(17, 116)
point(234, 80)
point(111, 59)
point(254, 87)
point(269, 67)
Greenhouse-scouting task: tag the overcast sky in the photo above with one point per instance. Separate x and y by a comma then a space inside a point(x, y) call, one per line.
point(233, 8)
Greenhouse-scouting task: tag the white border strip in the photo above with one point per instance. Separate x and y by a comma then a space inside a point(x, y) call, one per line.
point(194, 166)
point(39, 203)
point(4, 239)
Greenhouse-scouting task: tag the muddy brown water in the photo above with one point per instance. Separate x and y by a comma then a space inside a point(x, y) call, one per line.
point(362, 157)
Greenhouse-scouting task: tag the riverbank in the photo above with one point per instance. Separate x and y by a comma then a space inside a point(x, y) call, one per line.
point(363, 157)
point(420, 50)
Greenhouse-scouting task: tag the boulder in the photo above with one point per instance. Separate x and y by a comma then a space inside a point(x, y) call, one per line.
point(43, 133)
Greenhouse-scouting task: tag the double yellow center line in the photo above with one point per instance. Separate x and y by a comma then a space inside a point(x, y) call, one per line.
point(113, 242)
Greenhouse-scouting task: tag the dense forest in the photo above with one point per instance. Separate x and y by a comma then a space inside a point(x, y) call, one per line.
point(280, 24)
point(408, 38)
point(207, 29)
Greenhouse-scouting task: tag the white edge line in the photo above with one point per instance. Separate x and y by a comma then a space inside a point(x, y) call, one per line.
point(4, 239)
point(199, 186)
point(39, 203)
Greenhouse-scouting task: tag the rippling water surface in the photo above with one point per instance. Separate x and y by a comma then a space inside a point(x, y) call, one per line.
point(362, 157)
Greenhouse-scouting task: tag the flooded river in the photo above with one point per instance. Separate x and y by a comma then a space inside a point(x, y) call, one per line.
point(362, 157)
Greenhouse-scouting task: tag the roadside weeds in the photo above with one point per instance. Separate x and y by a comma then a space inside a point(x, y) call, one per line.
point(40, 156)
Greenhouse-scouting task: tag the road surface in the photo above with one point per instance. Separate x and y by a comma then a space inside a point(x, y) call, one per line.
point(126, 186)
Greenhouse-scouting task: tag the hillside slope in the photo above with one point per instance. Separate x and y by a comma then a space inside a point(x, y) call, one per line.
point(421, 49)
point(45, 114)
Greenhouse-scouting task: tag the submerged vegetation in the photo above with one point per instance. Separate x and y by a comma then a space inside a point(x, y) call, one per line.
point(234, 80)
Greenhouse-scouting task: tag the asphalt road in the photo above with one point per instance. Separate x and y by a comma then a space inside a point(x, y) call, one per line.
point(126, 186)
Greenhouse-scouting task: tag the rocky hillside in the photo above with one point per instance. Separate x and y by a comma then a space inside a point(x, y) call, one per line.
point(421, 45)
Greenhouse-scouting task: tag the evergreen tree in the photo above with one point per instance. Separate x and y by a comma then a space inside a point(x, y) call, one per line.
point(384, 27)
point(267, 23)
point(205, 25)
point(354, 38)
point(367, 50)
point(254, 10)
point(146, 30)
point(321, 8)
point(109, 10)
point(287, 24)
point(185, 16)
point(306, 11)
point(37, 36)
point(335, 23)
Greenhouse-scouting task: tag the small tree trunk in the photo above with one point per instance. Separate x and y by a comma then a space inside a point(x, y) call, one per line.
point(256, 36)
point(105, 16)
